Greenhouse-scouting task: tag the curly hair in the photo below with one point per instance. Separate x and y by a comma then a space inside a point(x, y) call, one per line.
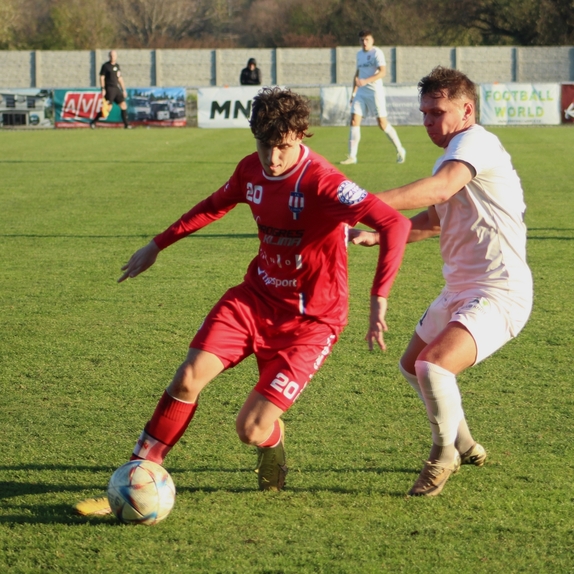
point(450, 83)
point(275, 112)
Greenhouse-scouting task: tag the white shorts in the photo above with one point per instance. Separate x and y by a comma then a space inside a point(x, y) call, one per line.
point(492, 317)
point(370, 103)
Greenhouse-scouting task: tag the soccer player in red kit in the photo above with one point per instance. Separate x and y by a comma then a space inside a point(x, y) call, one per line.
point(292, 304)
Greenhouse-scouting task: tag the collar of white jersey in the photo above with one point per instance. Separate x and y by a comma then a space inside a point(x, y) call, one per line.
point(297, 166)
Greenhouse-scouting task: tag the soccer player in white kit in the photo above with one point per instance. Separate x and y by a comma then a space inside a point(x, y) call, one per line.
point(368, 98)
point(475, 202)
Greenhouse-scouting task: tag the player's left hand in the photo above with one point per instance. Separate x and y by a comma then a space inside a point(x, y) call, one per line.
point(363, 237)
point(377, 325)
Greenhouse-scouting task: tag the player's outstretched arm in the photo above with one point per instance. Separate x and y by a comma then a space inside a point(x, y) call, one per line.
point(377, 323)
point(141, 260)
point(451, 177)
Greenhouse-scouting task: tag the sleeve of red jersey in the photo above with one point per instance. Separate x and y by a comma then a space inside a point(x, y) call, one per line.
point(205, 212)
point(393, 229)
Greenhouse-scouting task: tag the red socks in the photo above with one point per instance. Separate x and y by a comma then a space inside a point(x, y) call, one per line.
point(167, 425)
point(274, 438)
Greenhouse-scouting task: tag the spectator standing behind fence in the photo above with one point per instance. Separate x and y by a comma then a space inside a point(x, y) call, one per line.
point(113, 88)
point(251, 75)
point(368, 97)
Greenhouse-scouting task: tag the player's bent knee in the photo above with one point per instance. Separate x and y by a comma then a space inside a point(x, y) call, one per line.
point(245, 438)
point(249, 434)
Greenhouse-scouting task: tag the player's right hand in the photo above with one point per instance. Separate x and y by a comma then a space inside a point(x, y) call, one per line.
point(141, 260)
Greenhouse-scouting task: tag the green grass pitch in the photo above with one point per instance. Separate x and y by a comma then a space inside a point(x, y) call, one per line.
point(84, 360)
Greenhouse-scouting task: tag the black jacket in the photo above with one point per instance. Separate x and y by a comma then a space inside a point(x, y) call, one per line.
point(250, 77)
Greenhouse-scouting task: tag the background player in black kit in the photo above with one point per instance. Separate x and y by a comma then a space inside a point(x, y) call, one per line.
point(113, 88)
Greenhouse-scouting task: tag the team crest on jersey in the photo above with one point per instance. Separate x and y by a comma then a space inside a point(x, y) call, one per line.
point(296, 203)
point(350, 193)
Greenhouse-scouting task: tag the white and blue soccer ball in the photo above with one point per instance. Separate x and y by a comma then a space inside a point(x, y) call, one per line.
point(141, 492)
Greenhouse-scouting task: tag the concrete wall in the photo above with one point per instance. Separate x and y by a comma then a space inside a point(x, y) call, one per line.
point(546, 63)
point(286, 66)
point(18, 69)
point(414, 63)
point(488, 63)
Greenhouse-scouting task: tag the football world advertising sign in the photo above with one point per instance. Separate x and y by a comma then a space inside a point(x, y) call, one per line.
point(519, 104)
point(163, 107)
point(227, 107)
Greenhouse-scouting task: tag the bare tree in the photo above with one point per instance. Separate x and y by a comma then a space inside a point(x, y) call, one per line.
point(337, 22)
point(87, 24)
point(144, 23)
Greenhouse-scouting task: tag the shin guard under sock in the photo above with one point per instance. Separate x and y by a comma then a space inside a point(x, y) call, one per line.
point(167, 425)
point(442, 400)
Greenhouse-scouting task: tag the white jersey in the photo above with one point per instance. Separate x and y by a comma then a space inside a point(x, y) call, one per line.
point(483, 235)
point(367, 65)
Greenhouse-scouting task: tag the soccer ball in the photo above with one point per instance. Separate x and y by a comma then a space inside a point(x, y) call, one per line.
point(141, 492)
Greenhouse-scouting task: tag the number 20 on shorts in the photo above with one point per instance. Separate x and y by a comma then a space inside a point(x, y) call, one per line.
point(286, 387)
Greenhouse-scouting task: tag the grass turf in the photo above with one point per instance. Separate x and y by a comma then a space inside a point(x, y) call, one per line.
point(84, 360)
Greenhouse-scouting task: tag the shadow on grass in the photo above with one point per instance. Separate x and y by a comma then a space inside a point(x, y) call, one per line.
point(194, 469)
point(546, 237)
point(62, 513)
point(549, 238)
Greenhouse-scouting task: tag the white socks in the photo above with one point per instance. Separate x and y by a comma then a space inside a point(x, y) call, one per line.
point(442, 400)
point(394, 137)
point(354, 139)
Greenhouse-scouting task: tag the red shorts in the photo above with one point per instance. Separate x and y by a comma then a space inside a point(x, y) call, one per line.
point(289, 350)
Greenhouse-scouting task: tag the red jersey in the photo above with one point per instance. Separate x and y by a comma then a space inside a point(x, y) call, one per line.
point(302, 218)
